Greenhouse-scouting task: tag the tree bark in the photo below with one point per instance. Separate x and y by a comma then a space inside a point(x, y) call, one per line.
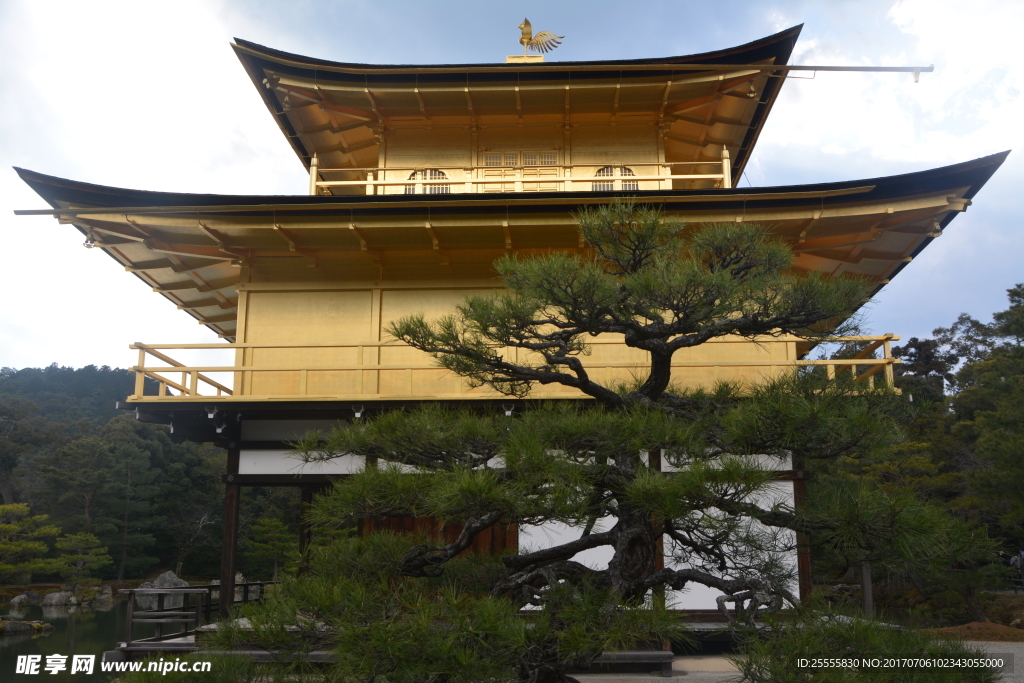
point(970, 597)
point(635, 556)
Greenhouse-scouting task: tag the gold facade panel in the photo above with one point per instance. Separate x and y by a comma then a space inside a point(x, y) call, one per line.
point(303, 317)
point(433, 303)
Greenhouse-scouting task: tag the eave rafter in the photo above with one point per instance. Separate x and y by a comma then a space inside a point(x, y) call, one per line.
point(219, 300)
point(135, 232)
point(200, 285)
point(436, 244)
point(364, 245)
point(290, 239)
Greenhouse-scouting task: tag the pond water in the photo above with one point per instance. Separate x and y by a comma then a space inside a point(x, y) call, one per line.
point(76, 632)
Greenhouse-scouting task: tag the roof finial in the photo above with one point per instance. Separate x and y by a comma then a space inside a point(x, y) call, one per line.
point(545, 41)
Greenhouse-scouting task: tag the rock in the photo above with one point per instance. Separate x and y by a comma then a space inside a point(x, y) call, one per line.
point(1016, 623)
point(166, 580)
point(25, 599)
point(16, 627)
point(169, 580)
point(64, 597)
point(22, 627)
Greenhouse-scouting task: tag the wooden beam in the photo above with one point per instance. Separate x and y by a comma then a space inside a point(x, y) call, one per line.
point(713, 120)
point(207, 303)
point(192, 284)
point(698, 142)
point(222, 244)
point(293, 245)
point(226, 318)
point(343, 146)
point(330, 127)
point(445, 258)
point(155, 264)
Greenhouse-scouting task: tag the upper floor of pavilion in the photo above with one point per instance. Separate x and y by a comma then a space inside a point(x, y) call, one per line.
point(681, 123)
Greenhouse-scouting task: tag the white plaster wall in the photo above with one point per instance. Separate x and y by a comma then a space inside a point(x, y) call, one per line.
point(283, 462)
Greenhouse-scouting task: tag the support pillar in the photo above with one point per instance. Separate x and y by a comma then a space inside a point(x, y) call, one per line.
point(232, 498)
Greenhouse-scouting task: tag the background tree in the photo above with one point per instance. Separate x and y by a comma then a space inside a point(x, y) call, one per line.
point(80, 555)
point(129, 496)
point(24, 543)
point(75, 477)
point(21, 430)
point(271, 544)
point(85, 465)
point(960, 456)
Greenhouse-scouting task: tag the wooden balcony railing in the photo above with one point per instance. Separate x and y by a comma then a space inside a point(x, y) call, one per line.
point(520, 178)
point(246, 374)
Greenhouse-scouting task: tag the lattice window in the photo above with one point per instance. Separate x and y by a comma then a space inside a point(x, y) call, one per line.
point(429, 174)
point(540, 158)
point(609, 185)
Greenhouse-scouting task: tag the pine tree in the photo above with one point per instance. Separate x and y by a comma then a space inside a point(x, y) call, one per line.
point(633, 466)
point(80, 555)
point(23, 543)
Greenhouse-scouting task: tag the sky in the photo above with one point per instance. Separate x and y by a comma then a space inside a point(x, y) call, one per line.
point(148, 95)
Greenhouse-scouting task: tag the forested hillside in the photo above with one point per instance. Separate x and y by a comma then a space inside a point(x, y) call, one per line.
point(940, 516)
point(153, 502)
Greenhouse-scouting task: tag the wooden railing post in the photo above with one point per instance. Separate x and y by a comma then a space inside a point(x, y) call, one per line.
point(314, 170)
point(140, 375)
point(129, 619)
point(199, 610)
point(887, 354)
point(159, 608)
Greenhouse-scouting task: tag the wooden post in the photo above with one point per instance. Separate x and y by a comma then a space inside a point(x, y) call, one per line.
point(159, 608)
point(140, 377)
point(314, 171)
point(199, 609)
point(232, 495)
point(726, 168)
point(129, 624)
point(865, 587)
point(887, 354)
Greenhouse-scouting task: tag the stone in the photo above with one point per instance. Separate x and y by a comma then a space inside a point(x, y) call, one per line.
point(169, 580)
point(64, 597)
point(22, 627)
point(19, 600)
point(1016, 623)
point(166, 580)
point(16, 627)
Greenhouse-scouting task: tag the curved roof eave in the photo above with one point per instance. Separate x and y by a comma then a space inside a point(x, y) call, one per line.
point(780, 43)
point(56, 190)
point(775, 49)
